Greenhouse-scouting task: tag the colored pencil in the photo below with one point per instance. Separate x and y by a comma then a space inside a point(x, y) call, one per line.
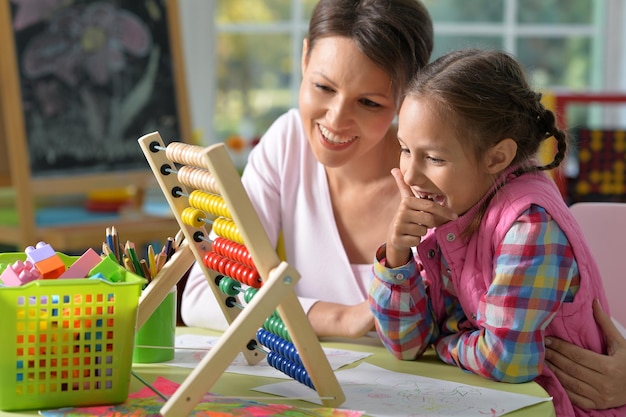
point(178, 239)
point(143, 265)
point(106, 250)
point(130, 250)
point(167, 249)
point(128, 264)
point(109, 238)
point(117, 249)
point(161, 260)
point(152, 261)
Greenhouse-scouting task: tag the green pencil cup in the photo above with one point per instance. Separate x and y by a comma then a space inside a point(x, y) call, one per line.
point(154, 341)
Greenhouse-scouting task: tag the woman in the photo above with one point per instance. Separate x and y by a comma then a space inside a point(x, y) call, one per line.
point(320, 172)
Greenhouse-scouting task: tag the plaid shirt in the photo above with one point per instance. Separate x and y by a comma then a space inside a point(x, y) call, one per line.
point(520, 302)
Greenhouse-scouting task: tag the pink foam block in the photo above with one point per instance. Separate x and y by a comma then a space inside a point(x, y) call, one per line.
point(40, 252)
point(81, 267)
point(19, 273)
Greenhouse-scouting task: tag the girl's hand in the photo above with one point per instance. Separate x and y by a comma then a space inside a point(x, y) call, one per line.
point(591, 380)
point(412, 221)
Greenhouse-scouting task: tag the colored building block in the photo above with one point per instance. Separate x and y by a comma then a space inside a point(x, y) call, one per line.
point(81, 267)
point(19, 273)
point(51, 268)
point(39, 252)
point(98, 276)
point(110, 269)
point(46, 260)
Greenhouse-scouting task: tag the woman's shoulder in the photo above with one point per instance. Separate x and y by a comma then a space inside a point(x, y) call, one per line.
point(282, 148)
point(285, 133)
point(289, 121)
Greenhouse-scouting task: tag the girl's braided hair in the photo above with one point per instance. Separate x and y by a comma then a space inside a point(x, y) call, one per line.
point(486, 97)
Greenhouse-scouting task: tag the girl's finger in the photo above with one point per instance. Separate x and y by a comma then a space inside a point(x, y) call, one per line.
point(405, 190)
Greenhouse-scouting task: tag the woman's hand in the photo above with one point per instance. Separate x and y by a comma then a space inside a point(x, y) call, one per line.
point(338, 320)
point(591, 380)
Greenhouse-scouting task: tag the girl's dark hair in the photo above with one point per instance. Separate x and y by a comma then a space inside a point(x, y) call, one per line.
point(397, 35)
point(486, 97)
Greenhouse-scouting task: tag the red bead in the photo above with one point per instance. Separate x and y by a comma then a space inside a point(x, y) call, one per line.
point(213, 262)
point(232, 269)
point(238, 273)
point(217, 245)
point(208, 260)
point(254, 280)
point(221, 265)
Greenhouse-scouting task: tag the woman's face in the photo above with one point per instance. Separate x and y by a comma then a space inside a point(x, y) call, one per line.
point(346, 101)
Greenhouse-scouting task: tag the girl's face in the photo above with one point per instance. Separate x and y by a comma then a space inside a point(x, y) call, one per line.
point(346, 101)
point(435, 163)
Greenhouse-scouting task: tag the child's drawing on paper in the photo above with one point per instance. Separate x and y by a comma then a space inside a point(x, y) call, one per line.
point(386, 393)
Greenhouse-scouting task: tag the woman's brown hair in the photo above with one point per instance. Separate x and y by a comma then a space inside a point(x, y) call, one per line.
point(397, 35)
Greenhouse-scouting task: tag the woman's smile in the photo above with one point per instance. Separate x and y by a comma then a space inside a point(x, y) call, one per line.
point(335, 139)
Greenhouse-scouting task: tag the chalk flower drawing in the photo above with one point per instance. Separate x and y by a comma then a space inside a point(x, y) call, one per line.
point(90, 42)
point(90, 71)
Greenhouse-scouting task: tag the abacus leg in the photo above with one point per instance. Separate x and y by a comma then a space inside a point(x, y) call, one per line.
point(312, 354)
point(168, 277)
point(243, 329)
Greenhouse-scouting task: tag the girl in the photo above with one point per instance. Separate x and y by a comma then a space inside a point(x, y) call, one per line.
point(500, 263)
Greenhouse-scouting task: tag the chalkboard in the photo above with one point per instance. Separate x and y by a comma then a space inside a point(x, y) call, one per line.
point(95, 76)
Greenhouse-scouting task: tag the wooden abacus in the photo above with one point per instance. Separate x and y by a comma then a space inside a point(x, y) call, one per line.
point(242, 254)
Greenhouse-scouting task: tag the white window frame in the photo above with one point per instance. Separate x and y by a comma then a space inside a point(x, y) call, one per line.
point(200, 30)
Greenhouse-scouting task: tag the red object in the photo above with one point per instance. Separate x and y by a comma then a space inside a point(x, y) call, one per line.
point(50, 268)
point(561, 100)
point(106, 206)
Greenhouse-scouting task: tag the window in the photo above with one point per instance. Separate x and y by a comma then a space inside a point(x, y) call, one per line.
point(257, 47)
point(258, 44)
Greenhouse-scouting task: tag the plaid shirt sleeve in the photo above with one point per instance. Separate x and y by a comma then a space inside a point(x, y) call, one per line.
point(401, 309)
point(534, 268)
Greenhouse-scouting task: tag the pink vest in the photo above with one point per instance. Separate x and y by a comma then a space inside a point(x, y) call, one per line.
point(471, 262)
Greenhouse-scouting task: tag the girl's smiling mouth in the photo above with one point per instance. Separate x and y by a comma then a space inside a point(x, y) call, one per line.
point(437, 198)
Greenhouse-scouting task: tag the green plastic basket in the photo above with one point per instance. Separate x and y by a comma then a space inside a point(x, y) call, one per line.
point(66, 342)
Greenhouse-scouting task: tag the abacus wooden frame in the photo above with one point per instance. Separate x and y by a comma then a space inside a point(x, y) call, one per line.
point(276, 293)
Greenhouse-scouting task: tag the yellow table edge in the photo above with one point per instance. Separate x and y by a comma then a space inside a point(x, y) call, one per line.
point(238, 385)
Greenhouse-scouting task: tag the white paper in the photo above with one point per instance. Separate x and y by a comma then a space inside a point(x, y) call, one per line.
point(190, 349)
point(385, 393)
